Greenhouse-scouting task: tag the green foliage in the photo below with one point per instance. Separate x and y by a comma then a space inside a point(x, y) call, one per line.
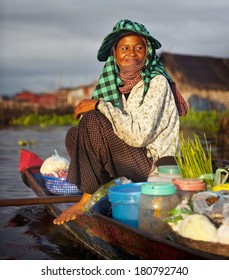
point(44, 120)
point(207, 121)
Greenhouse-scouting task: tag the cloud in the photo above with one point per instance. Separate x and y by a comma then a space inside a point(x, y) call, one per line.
point(50, 43)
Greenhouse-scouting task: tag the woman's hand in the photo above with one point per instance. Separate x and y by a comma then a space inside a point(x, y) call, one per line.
point(84, 106)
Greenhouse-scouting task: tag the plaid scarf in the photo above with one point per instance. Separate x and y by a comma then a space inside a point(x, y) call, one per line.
point(109, 81)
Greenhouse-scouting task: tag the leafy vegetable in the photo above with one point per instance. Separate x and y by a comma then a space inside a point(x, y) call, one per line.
point(193, 160)
point(177, 214)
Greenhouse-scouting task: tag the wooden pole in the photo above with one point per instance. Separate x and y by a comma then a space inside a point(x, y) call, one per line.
point(39, 200)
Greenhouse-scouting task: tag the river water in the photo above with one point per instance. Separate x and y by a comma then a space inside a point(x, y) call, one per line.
point(27, 232)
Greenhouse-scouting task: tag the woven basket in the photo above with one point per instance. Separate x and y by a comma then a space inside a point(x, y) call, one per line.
point(208, 247)
point(60, 186)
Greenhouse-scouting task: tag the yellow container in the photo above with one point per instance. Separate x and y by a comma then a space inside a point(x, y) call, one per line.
point(222, 187)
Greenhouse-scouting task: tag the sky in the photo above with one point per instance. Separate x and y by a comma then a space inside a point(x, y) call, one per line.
point(48, 44)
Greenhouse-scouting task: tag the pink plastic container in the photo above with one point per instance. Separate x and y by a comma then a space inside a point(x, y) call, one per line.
point(186, 187)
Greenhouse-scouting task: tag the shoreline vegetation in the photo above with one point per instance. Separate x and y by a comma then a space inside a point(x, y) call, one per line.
point(207, 121)
point(210, 123)
point(44, 120)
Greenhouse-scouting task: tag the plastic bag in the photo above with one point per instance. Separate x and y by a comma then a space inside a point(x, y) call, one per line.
point(223, 230)
point(221, 176)
point(103, 191)
point(54, 163)
point(211, 204)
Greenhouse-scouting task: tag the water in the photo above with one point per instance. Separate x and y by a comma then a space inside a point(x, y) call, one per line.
point(27, 232)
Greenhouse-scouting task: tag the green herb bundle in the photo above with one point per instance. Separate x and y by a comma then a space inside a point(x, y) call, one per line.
point(192, 160)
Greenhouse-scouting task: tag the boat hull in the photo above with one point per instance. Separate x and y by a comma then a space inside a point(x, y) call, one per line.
point(112, 239)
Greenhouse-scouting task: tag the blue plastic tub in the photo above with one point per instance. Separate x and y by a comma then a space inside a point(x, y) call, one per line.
point(124, 201)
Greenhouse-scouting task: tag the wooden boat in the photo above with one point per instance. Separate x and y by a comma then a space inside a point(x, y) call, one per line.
point(112, 239)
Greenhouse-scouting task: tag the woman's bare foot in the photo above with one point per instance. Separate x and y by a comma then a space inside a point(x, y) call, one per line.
point(72, 212)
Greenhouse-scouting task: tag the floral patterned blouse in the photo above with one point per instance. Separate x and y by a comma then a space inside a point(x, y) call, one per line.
point(151, 122)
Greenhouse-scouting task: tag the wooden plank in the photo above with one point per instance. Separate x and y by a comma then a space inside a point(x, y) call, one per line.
point(39, 200)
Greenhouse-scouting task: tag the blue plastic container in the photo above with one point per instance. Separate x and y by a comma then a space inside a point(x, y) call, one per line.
point(124, 200)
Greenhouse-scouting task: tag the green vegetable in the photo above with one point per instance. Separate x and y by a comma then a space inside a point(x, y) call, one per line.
point(175, 215)
point(192, 160)
point(103, 191)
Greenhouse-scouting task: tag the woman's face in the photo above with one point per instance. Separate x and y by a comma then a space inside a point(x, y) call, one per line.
point(130, 50)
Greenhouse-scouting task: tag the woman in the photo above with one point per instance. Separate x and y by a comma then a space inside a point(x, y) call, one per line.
point(132, 119)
